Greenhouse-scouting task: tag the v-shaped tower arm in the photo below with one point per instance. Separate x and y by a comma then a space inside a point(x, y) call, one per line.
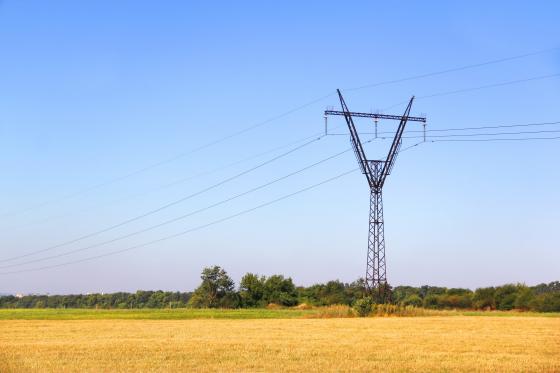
point(395, 147)
point(356, 143)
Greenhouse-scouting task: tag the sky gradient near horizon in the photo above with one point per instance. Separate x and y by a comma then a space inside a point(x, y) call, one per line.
point(95, 91)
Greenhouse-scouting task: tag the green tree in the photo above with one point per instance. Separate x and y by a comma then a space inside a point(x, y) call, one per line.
point(431, 301)
point(458, 291)
point(280, 290)
point(412, 300)
point(454, 301)
point(484, 298)
point(334, 292)
point(400, 293)
point(505, 297)
point(382, 294)
point(431, 290)
point(356, 290)
point(547, 302)
point(553, 287)
point(251, 290)
point(215, 291)
point(524, 298)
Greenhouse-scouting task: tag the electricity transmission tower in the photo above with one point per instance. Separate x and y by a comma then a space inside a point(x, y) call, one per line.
point(376, 172)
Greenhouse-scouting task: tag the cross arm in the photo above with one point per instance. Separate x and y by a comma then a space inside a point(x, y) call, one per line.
point(375, 116)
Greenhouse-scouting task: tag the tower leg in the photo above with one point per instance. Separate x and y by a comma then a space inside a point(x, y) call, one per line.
point(376, 276)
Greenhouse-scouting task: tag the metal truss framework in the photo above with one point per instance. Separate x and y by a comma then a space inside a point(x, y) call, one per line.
point(376, 171)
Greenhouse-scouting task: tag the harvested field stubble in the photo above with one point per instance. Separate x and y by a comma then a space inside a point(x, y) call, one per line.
point(389, 344)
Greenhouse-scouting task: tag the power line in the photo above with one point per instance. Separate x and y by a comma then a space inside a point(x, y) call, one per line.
point(243, 212)
point(66, 253)
point(490, 140)
point(464, 90)
point(479, 134)
point(175, 202)
point(441, 72)
point(454, 129)
point(490, 127)
point(487, 134)
point(252, 209)
point(269, 120)
point(238, 175)
point(205, 173)
point(473, 134)
point(184, 179)
point(171, 159)
point(480, 140)
point(412, 146)
point(245, 193)
point(541, 77)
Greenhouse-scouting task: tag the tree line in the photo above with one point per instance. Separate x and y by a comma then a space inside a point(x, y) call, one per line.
point(540, 298)
point(218, 290)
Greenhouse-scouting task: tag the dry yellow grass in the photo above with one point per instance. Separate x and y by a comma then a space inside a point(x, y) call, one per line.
point(502, 344)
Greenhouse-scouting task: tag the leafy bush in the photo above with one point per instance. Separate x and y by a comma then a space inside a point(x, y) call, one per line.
point(523, 299)
point(548, 302)
point(412, 300)
point(431, 301)
point(280, 290)
point(363, 306)
point(484, 298)
point(400, 293)
point(505, 297)
point(454, 301)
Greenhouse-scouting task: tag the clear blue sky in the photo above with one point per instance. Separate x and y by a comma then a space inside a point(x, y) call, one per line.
point(92, 91)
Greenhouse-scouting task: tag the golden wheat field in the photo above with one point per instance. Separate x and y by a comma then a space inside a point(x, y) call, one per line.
point(459, 343)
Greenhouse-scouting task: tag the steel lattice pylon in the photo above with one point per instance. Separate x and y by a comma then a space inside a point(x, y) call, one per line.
point(376, 171)
point(376, 274)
